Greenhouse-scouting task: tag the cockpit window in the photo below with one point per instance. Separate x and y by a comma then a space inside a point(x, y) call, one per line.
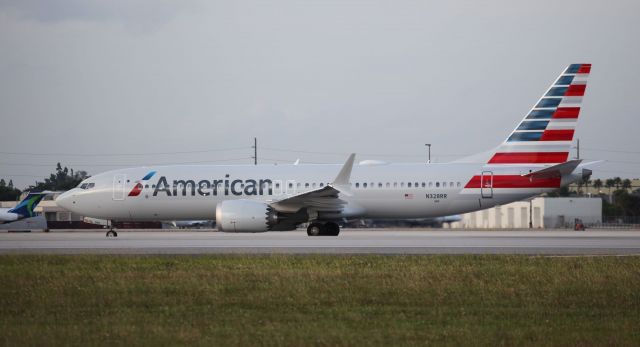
point(87, 185)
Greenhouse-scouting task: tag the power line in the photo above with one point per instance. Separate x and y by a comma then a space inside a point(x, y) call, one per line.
point(291, 161)
point(345, 153)
point(124, 154)
point(125, 164)
point(610, 150)
point(19, 175)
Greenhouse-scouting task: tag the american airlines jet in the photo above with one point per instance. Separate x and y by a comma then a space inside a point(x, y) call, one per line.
point(246, 198)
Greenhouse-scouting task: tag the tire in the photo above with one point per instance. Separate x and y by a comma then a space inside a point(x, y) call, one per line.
point(112, 233)
point(315, 229)
point(332, 229)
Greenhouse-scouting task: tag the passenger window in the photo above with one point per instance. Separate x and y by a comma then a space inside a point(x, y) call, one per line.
point(437, 184)
point(306, 185)
point(313, 185)
point(450, 184)
point(409, 184)
point(388, 185)
point(364, 185)
point(424, 184)
point(458, 184)
point(395, 184)
point(402, 184)
point(290, 185)
point(299, 185)
point(321, 184)
point(277, 185)
point(430, 184)
point(358, 185)
point(146, 186)
point(379, 185)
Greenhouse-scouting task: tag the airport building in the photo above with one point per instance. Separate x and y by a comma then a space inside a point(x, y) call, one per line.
point(542, 212)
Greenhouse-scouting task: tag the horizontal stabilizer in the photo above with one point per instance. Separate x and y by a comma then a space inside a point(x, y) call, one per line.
point(558, 170)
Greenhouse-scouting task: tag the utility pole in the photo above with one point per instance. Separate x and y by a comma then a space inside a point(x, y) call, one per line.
point(429, 155)
point(255, 151)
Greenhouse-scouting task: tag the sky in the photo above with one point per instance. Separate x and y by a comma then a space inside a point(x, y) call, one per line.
point(105, 84)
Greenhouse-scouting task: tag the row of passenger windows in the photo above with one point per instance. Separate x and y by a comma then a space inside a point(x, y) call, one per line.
point(409, 184)
point(357, 185)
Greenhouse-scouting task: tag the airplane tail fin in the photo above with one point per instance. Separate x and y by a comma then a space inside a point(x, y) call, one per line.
point(545, 134)
point(27, 205)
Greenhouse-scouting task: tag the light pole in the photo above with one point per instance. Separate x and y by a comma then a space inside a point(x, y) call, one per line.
point(429, 151)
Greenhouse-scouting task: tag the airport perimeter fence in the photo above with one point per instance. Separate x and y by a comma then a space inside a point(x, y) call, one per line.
point(613, 223)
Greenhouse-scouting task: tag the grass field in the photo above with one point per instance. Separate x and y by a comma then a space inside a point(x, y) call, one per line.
point(319, 300)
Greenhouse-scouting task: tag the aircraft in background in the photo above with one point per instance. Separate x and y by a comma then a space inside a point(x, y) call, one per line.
point(189, 224)
point(25, 209)
point(437, 222)
point(247, 198)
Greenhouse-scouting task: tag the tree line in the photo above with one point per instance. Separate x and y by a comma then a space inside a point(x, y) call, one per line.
point(62, 179)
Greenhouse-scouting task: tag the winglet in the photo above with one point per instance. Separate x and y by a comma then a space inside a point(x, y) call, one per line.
point(345, 173)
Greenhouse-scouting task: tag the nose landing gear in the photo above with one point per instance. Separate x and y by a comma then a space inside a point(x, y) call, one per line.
point(111, 232)
point(323, 229)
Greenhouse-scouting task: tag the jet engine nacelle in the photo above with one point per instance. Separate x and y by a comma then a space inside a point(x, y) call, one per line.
point(244, 216)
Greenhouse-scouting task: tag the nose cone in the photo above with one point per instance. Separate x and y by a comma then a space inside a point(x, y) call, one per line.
point(66, 200)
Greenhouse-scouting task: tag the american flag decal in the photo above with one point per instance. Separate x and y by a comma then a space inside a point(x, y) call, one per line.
point(408, 196)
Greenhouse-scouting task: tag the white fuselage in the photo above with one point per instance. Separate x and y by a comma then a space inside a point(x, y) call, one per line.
point(6, 216)
point(393, 191)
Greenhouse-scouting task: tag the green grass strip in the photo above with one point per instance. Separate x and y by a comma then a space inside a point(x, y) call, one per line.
point(319, 300)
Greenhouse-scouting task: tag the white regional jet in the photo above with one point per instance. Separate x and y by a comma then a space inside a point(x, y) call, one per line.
point(247, 198)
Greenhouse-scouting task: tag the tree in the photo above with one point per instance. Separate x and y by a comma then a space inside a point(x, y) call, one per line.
point(609, 183)
point(618, 182)
point(63, 179)
point(587, 182)
point(597, 184)
point(8, 192)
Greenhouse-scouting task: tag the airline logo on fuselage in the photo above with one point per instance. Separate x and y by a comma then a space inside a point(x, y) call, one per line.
point(226, 186)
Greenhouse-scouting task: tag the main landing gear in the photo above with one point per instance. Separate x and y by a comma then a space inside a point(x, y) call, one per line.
point(323, 229)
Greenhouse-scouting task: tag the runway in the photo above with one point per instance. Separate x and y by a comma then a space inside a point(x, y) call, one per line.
point(349, 242)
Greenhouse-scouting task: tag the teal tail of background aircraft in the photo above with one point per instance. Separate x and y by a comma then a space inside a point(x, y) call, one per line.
point(533, 159)
point(24, 209)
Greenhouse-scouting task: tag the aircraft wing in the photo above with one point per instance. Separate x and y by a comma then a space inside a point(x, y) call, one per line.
point(326, 198)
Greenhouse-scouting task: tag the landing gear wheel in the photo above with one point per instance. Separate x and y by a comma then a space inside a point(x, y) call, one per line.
point(315, 229)
point(112, 233)
point(332, 229)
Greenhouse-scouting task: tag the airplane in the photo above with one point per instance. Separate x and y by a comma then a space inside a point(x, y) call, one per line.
point(532, 160)
point(25, 209)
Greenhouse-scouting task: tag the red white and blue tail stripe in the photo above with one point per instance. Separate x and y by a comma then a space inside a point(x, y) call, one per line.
point(542, 139)
point(544, 136)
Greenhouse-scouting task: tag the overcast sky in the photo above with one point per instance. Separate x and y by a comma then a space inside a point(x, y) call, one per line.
point(98, 85)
